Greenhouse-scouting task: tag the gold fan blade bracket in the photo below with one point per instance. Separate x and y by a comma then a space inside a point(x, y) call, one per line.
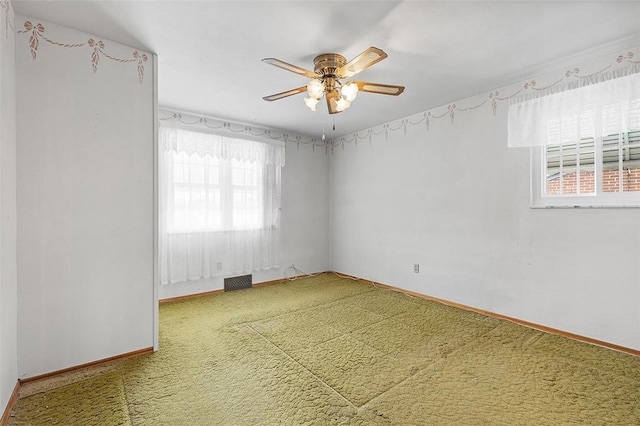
point(332, 99)
point(281, 95)
point(382, 89)
point(369, 57)
point(289, 67)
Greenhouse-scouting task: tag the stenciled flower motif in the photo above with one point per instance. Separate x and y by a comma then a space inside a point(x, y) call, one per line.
point(627, 57)
point(36, 32)
point(452, 109)
point(574, 71)
point(427, 121)
point(34, 41)
point(142, 58)
point(95, 54)
point(494, 101)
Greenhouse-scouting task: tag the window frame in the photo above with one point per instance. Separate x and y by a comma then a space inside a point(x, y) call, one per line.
point(598, 199)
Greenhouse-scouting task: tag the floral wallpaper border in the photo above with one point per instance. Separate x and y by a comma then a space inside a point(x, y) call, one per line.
point(37, 33)
point(493, 99)
point(239, 129)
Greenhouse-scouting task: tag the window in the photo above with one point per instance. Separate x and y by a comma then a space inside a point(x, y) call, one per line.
point(592, 172)
point(219, 203)
point(215, 183)
point(210, 194)
point(585, 144)
point(571, 168)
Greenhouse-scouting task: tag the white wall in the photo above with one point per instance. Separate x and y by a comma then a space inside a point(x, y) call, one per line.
point(8, 280)
point(304, 221)
point(85, 201)
point(455, 200)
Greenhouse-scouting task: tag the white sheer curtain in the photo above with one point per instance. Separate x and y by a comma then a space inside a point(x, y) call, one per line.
point(219, 203)
point(605, 104)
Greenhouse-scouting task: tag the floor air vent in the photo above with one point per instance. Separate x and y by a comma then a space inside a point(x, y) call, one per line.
point(237, 283)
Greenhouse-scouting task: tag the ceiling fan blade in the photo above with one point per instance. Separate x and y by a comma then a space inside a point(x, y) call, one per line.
point(289, 67)
point(332, 98)
point(371, 56)
point(281, 95)
point(383, 89)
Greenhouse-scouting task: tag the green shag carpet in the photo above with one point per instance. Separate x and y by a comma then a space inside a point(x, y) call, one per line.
point(328, 350)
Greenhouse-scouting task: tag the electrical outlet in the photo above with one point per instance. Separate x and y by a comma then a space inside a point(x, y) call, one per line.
point(416, 268)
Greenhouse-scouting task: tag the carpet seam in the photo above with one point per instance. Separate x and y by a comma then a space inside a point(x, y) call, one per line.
point(305, 368)
point(582, 364)
point(342, 333)
point(124, 390)
point(351, 335)
point(425, 367)
point(124, 397)
point(305, 308)
point(337, 300)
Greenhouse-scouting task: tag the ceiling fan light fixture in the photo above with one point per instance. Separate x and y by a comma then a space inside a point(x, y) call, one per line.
point(315, 88)
point(311, 103)
point(342, 104)
point(349, 91)
point(326, 79)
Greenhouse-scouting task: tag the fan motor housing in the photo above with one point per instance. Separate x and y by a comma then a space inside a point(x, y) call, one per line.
point(328, 63)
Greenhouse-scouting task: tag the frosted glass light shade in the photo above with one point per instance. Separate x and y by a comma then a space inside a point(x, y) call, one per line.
point(342, 104)
point(349, 91)
point(315, 88)
point(311, 103)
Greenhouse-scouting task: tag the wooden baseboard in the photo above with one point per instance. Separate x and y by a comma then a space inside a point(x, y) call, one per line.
point(126, 355)
point(524, 323)
point(190, 296)
point(10, 404)
point(264, 283)
point(218, 291)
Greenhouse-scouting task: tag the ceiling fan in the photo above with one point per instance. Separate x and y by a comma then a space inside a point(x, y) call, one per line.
point(329, 69)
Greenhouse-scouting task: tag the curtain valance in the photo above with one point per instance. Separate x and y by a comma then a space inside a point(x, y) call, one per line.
point(219, 146)
point(193, 134)
point(601, 104)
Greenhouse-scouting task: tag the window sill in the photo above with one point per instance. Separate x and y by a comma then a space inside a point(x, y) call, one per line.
point(608, 201)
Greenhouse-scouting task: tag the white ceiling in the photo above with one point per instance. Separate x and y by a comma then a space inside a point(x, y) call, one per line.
point(209, 52)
